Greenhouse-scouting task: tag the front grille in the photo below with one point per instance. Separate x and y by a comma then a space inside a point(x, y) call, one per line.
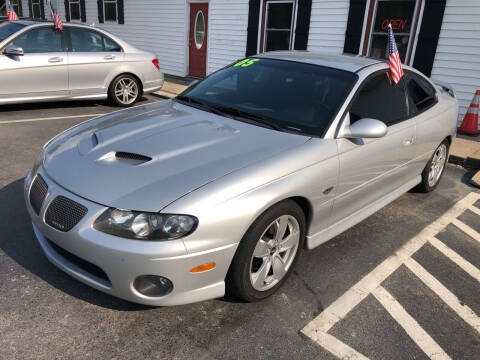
point(38, 191)
point(132, 156)
point(82, 264)
point(63, 214)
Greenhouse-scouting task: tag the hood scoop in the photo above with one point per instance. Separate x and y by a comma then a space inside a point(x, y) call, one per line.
point(134, 159)
point(124, 158)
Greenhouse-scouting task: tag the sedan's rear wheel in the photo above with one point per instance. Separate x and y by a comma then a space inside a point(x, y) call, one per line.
point(268, 252)
point(433, 172)
point(124, 91)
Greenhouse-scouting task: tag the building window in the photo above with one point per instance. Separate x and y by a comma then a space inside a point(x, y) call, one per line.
point(36, 9)
point(74, 9)
point(399, 13)
point(17, 7)
point(278, 24)
point(110, 10)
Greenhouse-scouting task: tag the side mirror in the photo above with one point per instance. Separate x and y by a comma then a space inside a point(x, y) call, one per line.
point(13, 50)
point(365, 128)
point(193, 83)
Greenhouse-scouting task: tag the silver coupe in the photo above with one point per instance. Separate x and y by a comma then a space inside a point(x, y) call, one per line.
point(222, 187)
point(38, 63)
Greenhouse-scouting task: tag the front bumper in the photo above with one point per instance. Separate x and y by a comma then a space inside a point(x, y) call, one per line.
point(123, 260)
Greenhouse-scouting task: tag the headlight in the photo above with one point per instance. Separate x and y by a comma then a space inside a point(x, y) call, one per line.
point(145, 226)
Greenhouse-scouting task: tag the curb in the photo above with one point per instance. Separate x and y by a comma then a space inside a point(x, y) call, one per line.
point(468, 162)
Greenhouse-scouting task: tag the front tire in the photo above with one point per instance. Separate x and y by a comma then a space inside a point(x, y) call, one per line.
point(124, 91)
point(268, 252)
point(434, 169)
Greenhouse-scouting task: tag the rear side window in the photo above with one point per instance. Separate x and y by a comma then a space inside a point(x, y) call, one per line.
point(110, 45)
point(421, 95)
point(84, 40)
point(39, 40)
point(379, 100)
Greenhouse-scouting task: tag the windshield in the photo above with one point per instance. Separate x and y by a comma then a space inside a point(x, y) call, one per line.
point(283, 95)
point(8, 28)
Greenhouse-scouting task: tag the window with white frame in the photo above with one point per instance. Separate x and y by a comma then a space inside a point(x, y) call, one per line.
point(75, 10)
point(278, 25)
point(110, 10)
point(36, 10)
point(398, 13)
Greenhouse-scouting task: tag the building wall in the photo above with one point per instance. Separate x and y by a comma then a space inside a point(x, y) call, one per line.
point(328, 24)
point(457, 60)
point(227, 37)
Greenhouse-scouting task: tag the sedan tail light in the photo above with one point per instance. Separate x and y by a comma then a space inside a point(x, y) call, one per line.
point(156, 64)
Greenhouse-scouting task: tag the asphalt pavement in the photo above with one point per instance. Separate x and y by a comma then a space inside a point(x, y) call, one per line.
point(336, 303)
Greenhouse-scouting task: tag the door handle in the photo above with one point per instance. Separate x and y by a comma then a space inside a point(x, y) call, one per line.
point(408, 141)
point(56, 59)
point(109, 57)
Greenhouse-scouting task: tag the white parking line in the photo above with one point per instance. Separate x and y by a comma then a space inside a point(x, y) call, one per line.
point(337, 348)
point(474, 209)
point(51, 118)
point(467, 314)
point(318, 328)
point(409, 324)
point(457, 259)
point(467, 229)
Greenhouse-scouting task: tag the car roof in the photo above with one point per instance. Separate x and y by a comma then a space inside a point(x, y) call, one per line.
point(352, 63)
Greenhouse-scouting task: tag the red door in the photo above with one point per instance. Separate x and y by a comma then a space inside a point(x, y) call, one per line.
point(198, 39)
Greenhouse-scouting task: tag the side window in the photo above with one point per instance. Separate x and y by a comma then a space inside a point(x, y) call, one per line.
point(378, 99)
point(420, 93)
point(40, 40)
point(85, 40)
point(110, 45)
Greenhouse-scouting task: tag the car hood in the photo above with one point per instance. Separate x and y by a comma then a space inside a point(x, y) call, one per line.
point(146, 157)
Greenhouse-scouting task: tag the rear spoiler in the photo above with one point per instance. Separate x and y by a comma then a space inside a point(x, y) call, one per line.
point(444, 87)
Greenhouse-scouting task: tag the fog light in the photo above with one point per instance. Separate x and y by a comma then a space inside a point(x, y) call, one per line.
point(153, 285)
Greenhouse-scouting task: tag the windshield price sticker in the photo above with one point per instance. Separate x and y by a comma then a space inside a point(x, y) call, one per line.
point(246, 62)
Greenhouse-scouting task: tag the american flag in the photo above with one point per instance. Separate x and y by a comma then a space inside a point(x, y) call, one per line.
point(57, 22)
point(396, 70)
point(12, 15)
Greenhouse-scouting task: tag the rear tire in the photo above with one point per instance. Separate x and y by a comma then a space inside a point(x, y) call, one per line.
point(124, 91)
point(267, 252)
point(434, 169)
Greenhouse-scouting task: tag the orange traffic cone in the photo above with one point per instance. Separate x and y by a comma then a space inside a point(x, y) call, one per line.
point(469, 124)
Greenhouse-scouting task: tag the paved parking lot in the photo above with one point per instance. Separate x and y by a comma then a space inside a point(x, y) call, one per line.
point(404, 283)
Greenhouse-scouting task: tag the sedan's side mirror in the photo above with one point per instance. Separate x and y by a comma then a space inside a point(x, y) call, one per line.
point(364, 128)
point(193, 83)
point(13, 50)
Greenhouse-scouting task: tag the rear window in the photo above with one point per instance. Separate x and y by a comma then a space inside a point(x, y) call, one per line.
point(8, 28)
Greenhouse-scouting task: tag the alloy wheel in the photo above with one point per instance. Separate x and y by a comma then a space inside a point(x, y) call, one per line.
point(126, 91)
point(274, 253)
point(438, 164)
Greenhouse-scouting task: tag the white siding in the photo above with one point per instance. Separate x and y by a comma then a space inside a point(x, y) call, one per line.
point(227, 38)
point(457, 60)
point(328, 24)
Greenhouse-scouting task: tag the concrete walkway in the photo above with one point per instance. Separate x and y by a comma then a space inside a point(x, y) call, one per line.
point(170, 90)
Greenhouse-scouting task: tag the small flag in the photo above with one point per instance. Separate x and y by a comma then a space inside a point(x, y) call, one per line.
point(11, 14)
point(57, 22)
point(396, 70)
